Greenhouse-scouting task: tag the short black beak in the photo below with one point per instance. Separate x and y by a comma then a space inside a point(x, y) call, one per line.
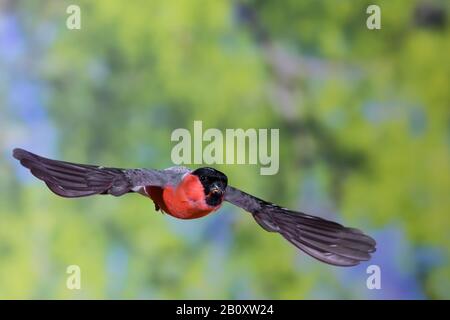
point(216, 190)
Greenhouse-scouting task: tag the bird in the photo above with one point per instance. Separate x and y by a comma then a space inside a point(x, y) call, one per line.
point(191, 194)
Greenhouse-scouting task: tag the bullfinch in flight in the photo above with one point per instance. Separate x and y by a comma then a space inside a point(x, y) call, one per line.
point(191, 194)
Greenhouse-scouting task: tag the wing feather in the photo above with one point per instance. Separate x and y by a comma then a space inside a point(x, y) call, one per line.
point(73, 180)
point(325, 240)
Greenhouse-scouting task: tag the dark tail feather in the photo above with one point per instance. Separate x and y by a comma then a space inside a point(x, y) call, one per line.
point(72, 180)
point(324, 240)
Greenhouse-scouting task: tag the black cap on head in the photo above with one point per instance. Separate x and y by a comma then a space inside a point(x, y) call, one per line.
point(214, 184)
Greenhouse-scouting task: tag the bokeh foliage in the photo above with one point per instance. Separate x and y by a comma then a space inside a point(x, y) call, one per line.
point(364, 134)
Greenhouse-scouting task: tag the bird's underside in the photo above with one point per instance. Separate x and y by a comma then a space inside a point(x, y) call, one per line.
point(324, 240)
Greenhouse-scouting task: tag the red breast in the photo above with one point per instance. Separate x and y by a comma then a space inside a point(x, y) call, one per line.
point(186, 201)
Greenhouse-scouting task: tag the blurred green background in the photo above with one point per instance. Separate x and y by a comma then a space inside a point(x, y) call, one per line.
point(364, 139)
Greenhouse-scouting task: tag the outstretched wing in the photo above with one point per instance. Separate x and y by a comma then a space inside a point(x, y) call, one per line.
point(324, 240)
point(72, 180)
